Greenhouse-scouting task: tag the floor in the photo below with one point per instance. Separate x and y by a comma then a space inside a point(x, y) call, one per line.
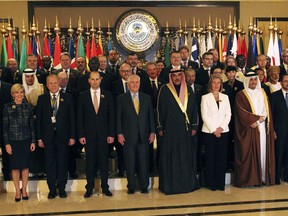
point(268, 201)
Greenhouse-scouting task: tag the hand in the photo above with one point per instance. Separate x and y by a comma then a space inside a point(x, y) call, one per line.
point(275, 135)
point(151, 138)
point(41, 144)
point(71, 142)
point(110, 140)
point(161, 133)
point(121, 139)
point(32, 147)
point(8, 149)
point(261, 119)
point(218, 132)
point(82, 140)
point(194, 132)
point(254, 125)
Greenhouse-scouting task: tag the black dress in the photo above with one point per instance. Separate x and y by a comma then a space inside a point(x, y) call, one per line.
point(19, 132)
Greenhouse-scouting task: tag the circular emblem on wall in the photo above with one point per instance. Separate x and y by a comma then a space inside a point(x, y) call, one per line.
point(137, 31)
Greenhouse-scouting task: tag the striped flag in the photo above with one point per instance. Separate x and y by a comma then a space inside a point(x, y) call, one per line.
point(229, 45)
point(99, 47)
point(209, 41)
point(220, 48)
point(276, 50)
point(234, 47)
point(202, 45)
point(280, 49)
point(224, 49)
point(57, 53)
point(38, 51)
point(270, 51)
point(71, 52)
point(194, 50)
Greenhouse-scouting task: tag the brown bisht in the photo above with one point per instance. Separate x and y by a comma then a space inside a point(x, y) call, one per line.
point(247, 144)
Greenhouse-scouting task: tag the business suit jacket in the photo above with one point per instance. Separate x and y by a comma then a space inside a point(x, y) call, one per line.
point(202, 76)
point(65, 119)
point(132, 125)
point(146, 87)
point(214, 117)
point(282, 72)
point(165, 73)
point(5, 97)
point(117, 88)
point(191, 64)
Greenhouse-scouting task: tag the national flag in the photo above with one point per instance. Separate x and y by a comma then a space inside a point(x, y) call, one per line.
point(15, 49)
point(194, 50)
point(255, 49)
point(270, 51)
point(9, 48)
point(180, 42)
point(38, 51)
point(261, 45)
point(234, 47)
point(220, 48)
point(50, 46)
point(280, 48)
point(109, 46)
point(88, 49)
point(4, 56)
point(23, 55)
point(276, 50)
point(93, 47)
point(250, 54)
point(30, 46)
point(239, 47)
point(167, 52)
point(209, 41)
point(71, 52)
point(99, 47)
point(46, 51)
point(244, 48)
point(229, 45)
point(224, 49)
point(57, 53)
point(202, 45)
point(80, 47)
point(258, 44)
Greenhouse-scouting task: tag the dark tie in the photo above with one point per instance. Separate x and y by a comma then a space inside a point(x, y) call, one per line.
point(113, 68)
point(155, 91)
point(286, 99)
point(185, 64)
point(126, 87)
point(54, 104)
point(62, 90)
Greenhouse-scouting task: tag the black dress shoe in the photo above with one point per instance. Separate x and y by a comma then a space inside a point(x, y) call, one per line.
point(17, 199)
point(130, 191)
point(144, 191)
point(107, 193)
point(51, 195)
point(62, 194)
point(88, 194)
point(25, 197)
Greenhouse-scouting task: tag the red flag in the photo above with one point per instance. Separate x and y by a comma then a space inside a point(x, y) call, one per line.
point(30, 46)
point(244, 48)
point(93, 47)
point(39, 52)
point(9, 48)
point(57, 52)
point(46, 50)
point(88, 48)
point(99, 47)
point(239, 47)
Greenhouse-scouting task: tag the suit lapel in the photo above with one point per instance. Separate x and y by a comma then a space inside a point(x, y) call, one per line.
point(90, 103)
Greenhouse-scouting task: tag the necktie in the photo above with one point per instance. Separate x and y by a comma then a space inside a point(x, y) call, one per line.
point(134, 70)
point(54, 104)
point(113, 68)
point(62, 90)
point(286, 99)
point(136, 103)
point(155, 90)
point(185, 64)
point(96, 106)
point(126, 87)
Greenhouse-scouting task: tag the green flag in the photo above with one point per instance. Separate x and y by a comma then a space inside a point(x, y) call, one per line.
point(80, 47)
point(4, 56)
point(22, 65)
point(167, 53)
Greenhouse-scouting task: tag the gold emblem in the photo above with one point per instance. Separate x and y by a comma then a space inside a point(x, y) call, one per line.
point(61, 99)
point(13, 106)
point(102, 96)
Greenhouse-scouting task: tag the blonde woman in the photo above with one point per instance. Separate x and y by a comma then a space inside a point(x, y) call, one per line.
point(19, 138)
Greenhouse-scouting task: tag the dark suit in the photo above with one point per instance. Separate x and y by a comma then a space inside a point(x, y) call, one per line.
point(191, 64)
point(136, 130)
point(73, 77)
point(96, 128)
point(8, 77)
point(141, 73)
point(114, 70)
point(202, 76)
point(282, 72)
point(280, 120)
point(56, 137)
point(165, 73)
point(42, 74)
point(5, 97)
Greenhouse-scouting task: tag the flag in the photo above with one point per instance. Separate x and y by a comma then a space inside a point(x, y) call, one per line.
point(180, 42)
point(30, 46)
point(186, 40)
point(46, 51)
point(229, 45)
point(258, 44)
point(109, 46)
point(167, 53)
point(93, 47)
point(280, 49)
point(270, 51)
point(88, 49)
point(224, 49)
point(194, 50)
point(57, 53)
point(209, 41)
point(244, 48)
point(15, 49)
point(220, 48)
point(276, 50)
point(202, 45)
point(4, 56)
point(9, 48)
point(50, 46)
point(255, 49)
point(234, 47)
point(99, 47)
point(250, 54)
point(38, 52)
point(71, 52)
point(261, 45)
point(80, 47)
point(23, 55)
point(239, 47)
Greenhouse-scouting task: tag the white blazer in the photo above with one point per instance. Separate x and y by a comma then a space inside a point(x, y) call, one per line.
point(214, 117)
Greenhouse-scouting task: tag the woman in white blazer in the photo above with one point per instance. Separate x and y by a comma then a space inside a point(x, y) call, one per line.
point(216, 115)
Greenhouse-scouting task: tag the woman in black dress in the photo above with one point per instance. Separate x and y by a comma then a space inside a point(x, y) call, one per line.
point(19, 138)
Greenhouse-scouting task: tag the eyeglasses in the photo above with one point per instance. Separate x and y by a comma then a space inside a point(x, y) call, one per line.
point(209, 59)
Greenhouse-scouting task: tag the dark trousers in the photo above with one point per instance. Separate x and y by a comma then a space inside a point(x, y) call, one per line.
point(56, 163)
point(97, 152)
point(73, 151)
point(137, 154)
point(215, 159)
point(282, 157)
point(120, 157)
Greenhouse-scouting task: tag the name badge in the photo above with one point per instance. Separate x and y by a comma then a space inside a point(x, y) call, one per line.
point(53, 119)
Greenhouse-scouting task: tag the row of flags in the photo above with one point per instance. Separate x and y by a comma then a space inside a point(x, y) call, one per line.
point(9, 49)
point(232, 44)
